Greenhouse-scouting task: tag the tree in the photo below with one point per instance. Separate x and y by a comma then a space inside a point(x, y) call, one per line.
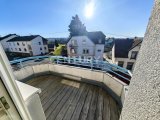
point(56, 43)
point(76, 27)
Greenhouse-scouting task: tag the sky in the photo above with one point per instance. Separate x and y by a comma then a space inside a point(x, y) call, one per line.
point(50, 18)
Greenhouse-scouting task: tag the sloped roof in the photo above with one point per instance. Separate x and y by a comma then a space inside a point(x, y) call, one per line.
point(123, 46)
point(96, 36)
point(136, 42)
point(25, 38)
point(4, 37)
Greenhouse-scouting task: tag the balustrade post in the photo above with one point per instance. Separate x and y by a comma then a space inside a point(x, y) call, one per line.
point(21, 64)
point(57, 60)
point(69, 59)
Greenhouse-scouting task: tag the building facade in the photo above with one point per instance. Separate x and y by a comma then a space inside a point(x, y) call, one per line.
point(3, 41)
point(87, 46)
point(125, 52)
point(28, 45)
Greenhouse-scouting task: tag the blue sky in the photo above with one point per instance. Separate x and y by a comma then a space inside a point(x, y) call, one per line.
point(50, 18)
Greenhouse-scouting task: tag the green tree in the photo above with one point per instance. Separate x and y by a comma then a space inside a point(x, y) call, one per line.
point(76, 27)
point(56, 43)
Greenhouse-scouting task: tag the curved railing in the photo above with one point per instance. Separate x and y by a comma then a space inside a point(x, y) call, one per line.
point(113, 69)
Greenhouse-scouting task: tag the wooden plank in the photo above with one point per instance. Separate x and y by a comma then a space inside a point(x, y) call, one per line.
point(70, 101)
point(99, 111)
point(88, 102)
point(51, 82)
point(34, 81)
point(92, 108)
point(113, 109)
point(68, 97)
point(49, 90)
point(73, 105)
point(106, 107)
point(43, 83)
point(57, 100)
point(84, 112)
point(51, 98)
point(79, 106)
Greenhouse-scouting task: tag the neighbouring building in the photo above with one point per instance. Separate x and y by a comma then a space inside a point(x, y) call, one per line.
point(125, 51)
point(51, 47)
point(28, 45)
point(3, 41)
point(108, 44)
point(59, 40)
point(87, 46)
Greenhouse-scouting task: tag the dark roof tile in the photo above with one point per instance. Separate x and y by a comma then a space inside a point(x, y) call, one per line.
point(123, 46)
point(4, 37)
point(23, 38)
point(96, 36)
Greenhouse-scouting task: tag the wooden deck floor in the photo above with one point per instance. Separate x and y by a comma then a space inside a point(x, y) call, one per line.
point(63, 99)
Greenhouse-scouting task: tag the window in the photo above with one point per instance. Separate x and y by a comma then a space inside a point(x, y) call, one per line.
point(130, 65)
point(99, 50)
point(39, 43)
point(134, 54)
point(72, 51)
point(23, 44)
point(120, 63)
point(45, 48)
point(17, 43)
point(40, 48)
point(74, 42)
point(84, 42)
point(19, 49)
point(29, 47)
point(85, 51)
point(25, 49)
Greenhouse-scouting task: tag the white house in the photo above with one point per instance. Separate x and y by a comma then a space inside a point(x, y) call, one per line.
point(3, 41)
point(28, 45)
point(125, 51)
point(87, 46)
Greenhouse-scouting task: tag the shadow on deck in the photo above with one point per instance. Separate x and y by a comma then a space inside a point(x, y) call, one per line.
point(63, 99)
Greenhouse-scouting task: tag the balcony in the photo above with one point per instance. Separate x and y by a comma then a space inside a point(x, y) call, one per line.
point(69, 100)
point(70, 92)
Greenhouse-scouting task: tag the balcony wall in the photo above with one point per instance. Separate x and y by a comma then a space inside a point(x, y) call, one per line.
point(114, 86)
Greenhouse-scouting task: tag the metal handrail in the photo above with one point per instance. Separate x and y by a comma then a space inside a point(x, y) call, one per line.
point(89, 63)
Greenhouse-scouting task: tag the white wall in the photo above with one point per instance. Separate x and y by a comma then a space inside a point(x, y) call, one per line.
point(125, 60)
point(88, 45)
point(113, 54)
point(4, 42)
point(80, 46)
point(14, 47)
point(99, 54)
point(36, 47)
